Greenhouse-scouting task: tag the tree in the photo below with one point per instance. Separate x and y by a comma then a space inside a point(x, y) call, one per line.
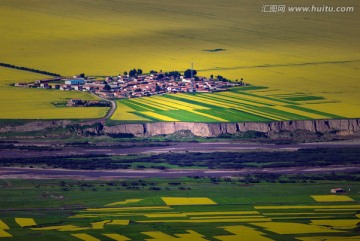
point(160, 76)
point(82, 75)
point(187, 73)
point(174, 74)
point(107, 87)
point(158, 88)
point(139, 71)
point(125, 73)
point(132, 73)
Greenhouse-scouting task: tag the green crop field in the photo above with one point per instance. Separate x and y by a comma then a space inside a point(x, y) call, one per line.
point(248, 103)
point(27, 103)
point(312, 53)
point(177, 209)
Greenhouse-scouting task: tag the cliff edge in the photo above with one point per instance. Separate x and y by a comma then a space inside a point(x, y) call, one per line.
point(342, 127)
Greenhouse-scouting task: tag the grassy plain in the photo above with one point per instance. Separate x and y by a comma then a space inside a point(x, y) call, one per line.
point(77, 210)
point(27, 103)
point(312, 53)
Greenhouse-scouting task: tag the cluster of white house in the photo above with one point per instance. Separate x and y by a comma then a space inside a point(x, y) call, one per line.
point(129, 87)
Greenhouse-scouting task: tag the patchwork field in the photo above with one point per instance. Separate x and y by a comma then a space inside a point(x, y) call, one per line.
point(311, 53)
point(332, 198)
point(249, 103)
point(198, 210)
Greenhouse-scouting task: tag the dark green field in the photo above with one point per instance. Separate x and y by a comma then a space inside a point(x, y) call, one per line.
point(52, 203)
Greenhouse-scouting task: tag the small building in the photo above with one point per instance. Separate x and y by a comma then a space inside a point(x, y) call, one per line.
point(75, 82)
point(74, 102)
point(78, 87)
point(44, 85)
point(21, 84)
point(337, 190)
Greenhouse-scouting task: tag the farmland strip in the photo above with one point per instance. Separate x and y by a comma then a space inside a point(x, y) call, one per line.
point(158, 116)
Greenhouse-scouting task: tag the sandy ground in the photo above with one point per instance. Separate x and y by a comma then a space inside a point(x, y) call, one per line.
point(34, 173)
point(176, 147)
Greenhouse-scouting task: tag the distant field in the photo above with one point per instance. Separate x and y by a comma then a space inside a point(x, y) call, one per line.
point(175, 209)
point(312, 53)
point(249, 103)
point(26, 103)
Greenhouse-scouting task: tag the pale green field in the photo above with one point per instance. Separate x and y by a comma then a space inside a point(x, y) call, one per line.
point(314, 53)
point(26, 103)
point(240, 104)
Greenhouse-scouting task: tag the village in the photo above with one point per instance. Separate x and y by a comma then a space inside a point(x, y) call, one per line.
point(135, 84)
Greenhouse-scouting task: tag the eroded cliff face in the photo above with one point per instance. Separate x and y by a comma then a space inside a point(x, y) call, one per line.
point(345, 127)
point(340, 127)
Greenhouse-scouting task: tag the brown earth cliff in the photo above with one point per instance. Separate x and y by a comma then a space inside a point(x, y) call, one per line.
point(343, 127)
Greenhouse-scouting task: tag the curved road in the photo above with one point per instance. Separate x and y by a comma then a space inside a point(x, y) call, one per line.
point(107, 116)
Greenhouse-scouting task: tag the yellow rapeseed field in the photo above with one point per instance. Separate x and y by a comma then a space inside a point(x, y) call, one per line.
point(242, 233)
point(177, 104)
point(165, 215)
point(293, 228)
point(332, 198)
point(175, 201)
point(158, 116)
point(27, 103)
point(221, 213)
point(310, 53)
point(124, 202)
point(151, 104)
point(100, 224)
point(85, 237)
point(220, 220)
point(4, 234)
point(227, 217)
point(337, 223)
point(160, 236)
point(116, 237)
point(3, 225)
point(24, 222)
point(124, 113)
point(62, 228)
point(118, 222)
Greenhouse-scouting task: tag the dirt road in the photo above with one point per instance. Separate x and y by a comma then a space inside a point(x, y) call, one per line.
point(33, 173)
point(173, 147)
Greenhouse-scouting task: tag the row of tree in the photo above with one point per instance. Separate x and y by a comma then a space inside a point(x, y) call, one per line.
point(29, 69)
point(189, 73)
